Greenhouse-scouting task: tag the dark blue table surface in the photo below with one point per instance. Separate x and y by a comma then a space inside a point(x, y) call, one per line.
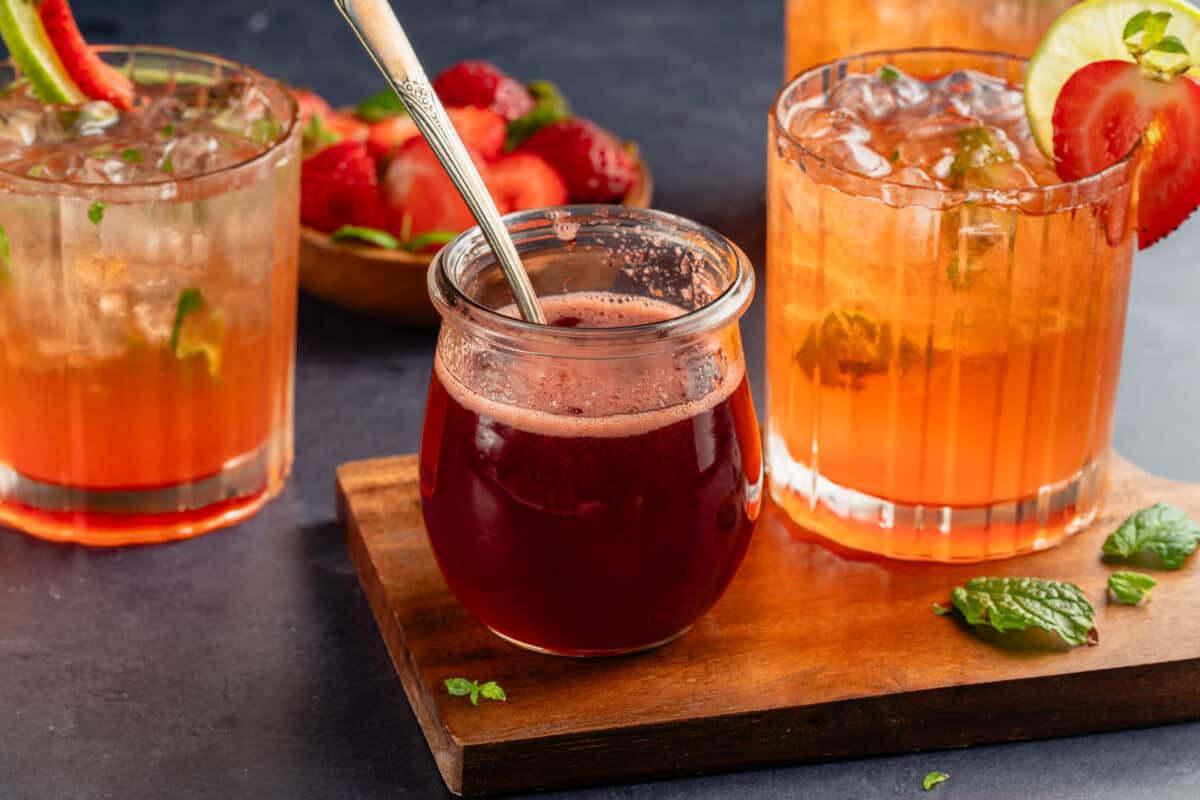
point(246, 663)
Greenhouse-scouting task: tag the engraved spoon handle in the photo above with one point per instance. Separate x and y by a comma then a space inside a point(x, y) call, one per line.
point(380, 32)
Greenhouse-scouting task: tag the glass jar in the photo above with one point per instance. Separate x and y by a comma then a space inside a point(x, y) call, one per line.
point(590, 486)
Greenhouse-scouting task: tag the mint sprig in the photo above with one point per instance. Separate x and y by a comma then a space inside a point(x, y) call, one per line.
point(461, 687)
point(550, 106)
point(1130, 588)
point(1017, 604)
point(1161, 55)
point(372, 236)
point(888, 73)
point(932, 779)
point(1162, 530)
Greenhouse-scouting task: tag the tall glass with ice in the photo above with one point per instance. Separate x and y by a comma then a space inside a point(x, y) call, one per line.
point(590, 486)
point(944, 315)
point(147, 302)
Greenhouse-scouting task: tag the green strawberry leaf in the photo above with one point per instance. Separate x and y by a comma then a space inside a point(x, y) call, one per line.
point(492, 691)
point(1017, 604)
point(382, 105)
point(369, 235)
point(550, 106)
point(1130, 588)
point(1162, 529)
point(459, 687)
point(316, 136)
point(423, 240)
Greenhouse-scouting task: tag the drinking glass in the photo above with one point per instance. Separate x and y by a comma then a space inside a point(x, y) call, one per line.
point(941, 363)
point(590, 486)
point(147, 323)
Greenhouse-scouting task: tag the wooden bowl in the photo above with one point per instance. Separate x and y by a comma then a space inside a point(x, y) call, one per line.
point(390, 284)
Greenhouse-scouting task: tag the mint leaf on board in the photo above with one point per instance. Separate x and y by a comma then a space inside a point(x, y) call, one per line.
point(96, 213)
point(1162, 530)
point(1017, 604)
point(5, 255)
point(932, 779)
point(549, 106)
point(423, 240)
point(369, 235)
point(380, 106)
point(461, 687)
point(190, 301)
point(1130, 588)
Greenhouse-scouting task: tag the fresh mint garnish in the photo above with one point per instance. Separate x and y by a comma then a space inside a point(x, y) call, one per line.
point(461, 687)
point(206, 340)
point(382, 105)
point(132, 155)
point(977, 148)
point(888, 73)
point(167, 131)
point(369, 235)
point(549, 106)
point(190, 301)
point(1145, 37)
point(167, 165)
point(316, 135)
point(894, 157)
point(423, 240)
point(36, 171)
point(1018, 604)
point(1130, 588)
point(1162, 530)
point(932, 779)
point(96, 213)
point(5, 255)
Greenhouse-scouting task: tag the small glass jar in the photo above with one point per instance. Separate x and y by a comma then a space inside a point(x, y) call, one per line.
point(590, 486)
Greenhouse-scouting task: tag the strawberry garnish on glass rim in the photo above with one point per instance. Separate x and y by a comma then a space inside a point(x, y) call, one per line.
point(1107, 108)
point(94, 78)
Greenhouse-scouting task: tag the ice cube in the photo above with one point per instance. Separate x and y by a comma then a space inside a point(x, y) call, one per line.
point(19, 123)
point(869, 96)
point(927, 143)
point(1002, 174)
point(95, 117)
point(856, 157)
point(206, 151)
point(827, 124)
point(910, 92)
point(976, 94)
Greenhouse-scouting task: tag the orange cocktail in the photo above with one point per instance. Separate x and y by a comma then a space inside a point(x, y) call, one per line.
point(818, 30)
point(944, 316)
point(147, 303)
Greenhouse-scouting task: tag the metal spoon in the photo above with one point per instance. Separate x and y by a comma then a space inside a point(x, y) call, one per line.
point(381, 34)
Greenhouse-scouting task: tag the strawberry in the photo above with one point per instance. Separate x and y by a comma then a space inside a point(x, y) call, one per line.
point(594, 165)
point(481, 130)
point(420, 194)
point(522, 180)
point(308, 103)
point(482, 84)
point(339, 186)
point(385, 136)
point(347, 127)
point(94, 78)
point(1101, 113)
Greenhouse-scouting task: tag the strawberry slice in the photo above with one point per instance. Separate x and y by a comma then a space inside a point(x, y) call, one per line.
point(1102, 112)
point(339, 186)
point(94, 78)
point(481, 130)
point(521, 181)
point(420, 194)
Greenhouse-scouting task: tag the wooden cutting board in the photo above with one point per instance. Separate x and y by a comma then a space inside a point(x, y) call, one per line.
point(812, 654)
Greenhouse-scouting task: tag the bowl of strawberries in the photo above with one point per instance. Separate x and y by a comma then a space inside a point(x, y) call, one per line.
point(375, 204)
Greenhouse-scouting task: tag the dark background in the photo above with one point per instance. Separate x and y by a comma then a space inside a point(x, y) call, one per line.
point(245, 664)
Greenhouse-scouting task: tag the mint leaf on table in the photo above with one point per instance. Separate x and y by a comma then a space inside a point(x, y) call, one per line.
point(380, 106)
point(549, 106)
point(1162, 529)
point(461, 687)
point(932, 779)
point(369, 235)
point(1018, 604)
point(1130, 588)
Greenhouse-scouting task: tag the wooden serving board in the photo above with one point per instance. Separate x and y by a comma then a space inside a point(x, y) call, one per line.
point(812, 654)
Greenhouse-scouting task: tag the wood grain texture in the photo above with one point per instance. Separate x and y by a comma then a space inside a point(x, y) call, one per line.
point(812, 654)
point(390, 284)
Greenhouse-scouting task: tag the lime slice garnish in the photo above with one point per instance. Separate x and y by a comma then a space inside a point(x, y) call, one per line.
point(30, 48)
point(1092, 31)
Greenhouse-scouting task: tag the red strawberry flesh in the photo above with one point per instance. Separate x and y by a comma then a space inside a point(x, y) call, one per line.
point(94, 78)
point(522, 181)
point(483, 84)
point(1101, 114)
point(594, 165)
point(339, 186)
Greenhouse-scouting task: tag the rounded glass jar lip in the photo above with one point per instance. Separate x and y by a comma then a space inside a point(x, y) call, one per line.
point(1121, 172)
point(456, 306)
point(118, 190)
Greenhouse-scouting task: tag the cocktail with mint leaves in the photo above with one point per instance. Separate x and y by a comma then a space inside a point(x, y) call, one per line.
point(950, 236)
point(148, 235)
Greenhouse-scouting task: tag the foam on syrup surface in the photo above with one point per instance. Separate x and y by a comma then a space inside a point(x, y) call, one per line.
point(600, 397)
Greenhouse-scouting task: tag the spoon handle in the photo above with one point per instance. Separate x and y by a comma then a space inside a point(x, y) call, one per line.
point(380, 32)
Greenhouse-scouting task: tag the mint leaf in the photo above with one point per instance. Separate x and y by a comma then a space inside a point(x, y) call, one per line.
point(264, 131)
point(1170, 44)
point(5, 255)
point(369, 235)
point(550, 106)
point(190, 301)
point(459, 687)
point(1162, 529)
point(1154, 29)
point(168, 130)
point(131, 155)
point(492, 691)
point(932, 779)
point(423, 240)
point(888, 73)
point(380, 106)
point(1135, 25)
point(96, 213)
point(1130, 587)
point(167, 165)
point(1017, 604)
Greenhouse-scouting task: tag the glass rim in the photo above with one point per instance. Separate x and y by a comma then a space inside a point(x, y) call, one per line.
point(290, 130)
point(951, 197)
point(454, 305)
